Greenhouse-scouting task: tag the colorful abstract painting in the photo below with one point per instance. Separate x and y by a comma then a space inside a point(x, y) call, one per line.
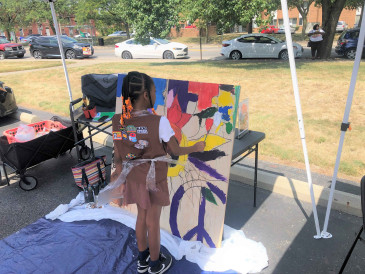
point(198, 191)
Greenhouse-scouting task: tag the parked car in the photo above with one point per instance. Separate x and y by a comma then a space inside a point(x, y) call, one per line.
point(3, 37)
point(84, 35)
point(47, 47)
point(347, 43)
point(7, 100)
point(341, 26)
point(282, 29)
point(270, 29)
point(258, 46)
point(28, 39)
point(156, 48)
point(118, 33)
point(8, 49)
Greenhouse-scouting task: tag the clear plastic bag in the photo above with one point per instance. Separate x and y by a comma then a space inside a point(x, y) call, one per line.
point(25, 133)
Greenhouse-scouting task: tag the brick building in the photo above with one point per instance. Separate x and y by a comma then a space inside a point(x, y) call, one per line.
point(70, 29)
point(351, 17)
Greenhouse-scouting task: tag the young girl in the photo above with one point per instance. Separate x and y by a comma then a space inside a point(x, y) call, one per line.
point(141, 140)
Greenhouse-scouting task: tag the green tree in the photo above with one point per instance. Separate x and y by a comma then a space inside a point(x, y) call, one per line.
point(331, 11)
point(303, 7)
point(12, 15)
point(153, 18)
point(108, 15)
point(39, 11)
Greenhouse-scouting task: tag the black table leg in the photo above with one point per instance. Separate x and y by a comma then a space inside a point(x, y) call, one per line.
point(255, 179)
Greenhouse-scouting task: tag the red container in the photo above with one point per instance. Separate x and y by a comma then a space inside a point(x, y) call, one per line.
point(43, 126)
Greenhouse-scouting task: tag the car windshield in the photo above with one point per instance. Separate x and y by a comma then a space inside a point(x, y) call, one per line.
point(162, 41)
point(3, 41)
point(66, 39)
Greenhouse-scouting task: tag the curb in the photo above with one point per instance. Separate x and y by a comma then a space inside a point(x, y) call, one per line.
point(292, 188)
point(299, 190)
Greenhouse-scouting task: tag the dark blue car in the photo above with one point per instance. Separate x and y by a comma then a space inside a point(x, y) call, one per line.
point(347, 43)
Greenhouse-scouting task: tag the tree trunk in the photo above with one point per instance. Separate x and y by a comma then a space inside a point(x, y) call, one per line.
point(8, 33)
point(330, 14)
point(305, 22)
point(249, 26)
point(52, 26)
point(127, 30)
point(206, 34)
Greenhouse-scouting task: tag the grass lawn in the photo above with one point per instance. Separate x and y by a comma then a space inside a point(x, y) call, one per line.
point(12, 65)
point(323, 89)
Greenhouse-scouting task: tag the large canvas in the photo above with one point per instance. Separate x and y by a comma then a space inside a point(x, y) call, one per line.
point(198, 189)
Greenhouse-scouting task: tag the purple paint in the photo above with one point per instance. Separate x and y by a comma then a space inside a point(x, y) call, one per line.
point(220, 194)
point(181, 89)
point(207, 169)
point(201, 217)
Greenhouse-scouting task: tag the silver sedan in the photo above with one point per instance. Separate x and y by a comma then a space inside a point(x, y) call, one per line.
point(257, 45)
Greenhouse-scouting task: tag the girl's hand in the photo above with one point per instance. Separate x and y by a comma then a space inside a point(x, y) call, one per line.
point(199, 146)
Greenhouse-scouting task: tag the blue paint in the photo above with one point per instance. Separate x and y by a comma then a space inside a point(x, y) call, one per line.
point(224, 111)
point(120, 84)
point(160, 85)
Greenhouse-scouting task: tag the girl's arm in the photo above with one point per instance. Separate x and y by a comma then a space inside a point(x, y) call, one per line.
point(177, 150)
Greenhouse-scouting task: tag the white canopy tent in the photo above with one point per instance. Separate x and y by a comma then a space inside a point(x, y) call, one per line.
point(344, 126)
point(289, 43)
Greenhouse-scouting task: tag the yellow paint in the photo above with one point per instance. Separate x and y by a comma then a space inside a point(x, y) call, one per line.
point(211, 142)
point(175, 171)
point(218, 127)
point(225, 98)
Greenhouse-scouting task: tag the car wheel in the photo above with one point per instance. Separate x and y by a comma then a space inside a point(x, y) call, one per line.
point(70, 54)
point(127, 55)
point(2, 55)
point(168, 55)
point(284, 55)
point(37, 54)
point(350, 54)
point(235, 55)
point(20, 55)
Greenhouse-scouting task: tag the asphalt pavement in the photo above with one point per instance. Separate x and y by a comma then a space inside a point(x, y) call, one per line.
point(284, 225)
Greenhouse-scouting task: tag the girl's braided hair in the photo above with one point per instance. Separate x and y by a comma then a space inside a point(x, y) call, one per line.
point(134, 85)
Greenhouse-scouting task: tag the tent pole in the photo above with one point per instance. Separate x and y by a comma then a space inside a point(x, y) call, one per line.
point(345, 124)
point(55, 23)
point(289, 42)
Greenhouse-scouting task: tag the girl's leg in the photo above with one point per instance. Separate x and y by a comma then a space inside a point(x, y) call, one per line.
point(153, 228)
point(141, 229)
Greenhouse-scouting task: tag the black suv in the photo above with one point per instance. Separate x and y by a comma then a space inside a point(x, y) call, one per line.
point(7, 100)
point(47, 47)
point(347, 43)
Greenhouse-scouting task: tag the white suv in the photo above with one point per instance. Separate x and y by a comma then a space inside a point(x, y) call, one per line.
point(341, 26)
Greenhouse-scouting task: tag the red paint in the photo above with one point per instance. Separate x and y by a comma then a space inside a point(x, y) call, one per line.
point(206, 92)
point(208, 123)
point(177, 132)
point(175, 116)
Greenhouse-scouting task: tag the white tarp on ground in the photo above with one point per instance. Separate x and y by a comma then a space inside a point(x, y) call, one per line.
point(237, 252)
